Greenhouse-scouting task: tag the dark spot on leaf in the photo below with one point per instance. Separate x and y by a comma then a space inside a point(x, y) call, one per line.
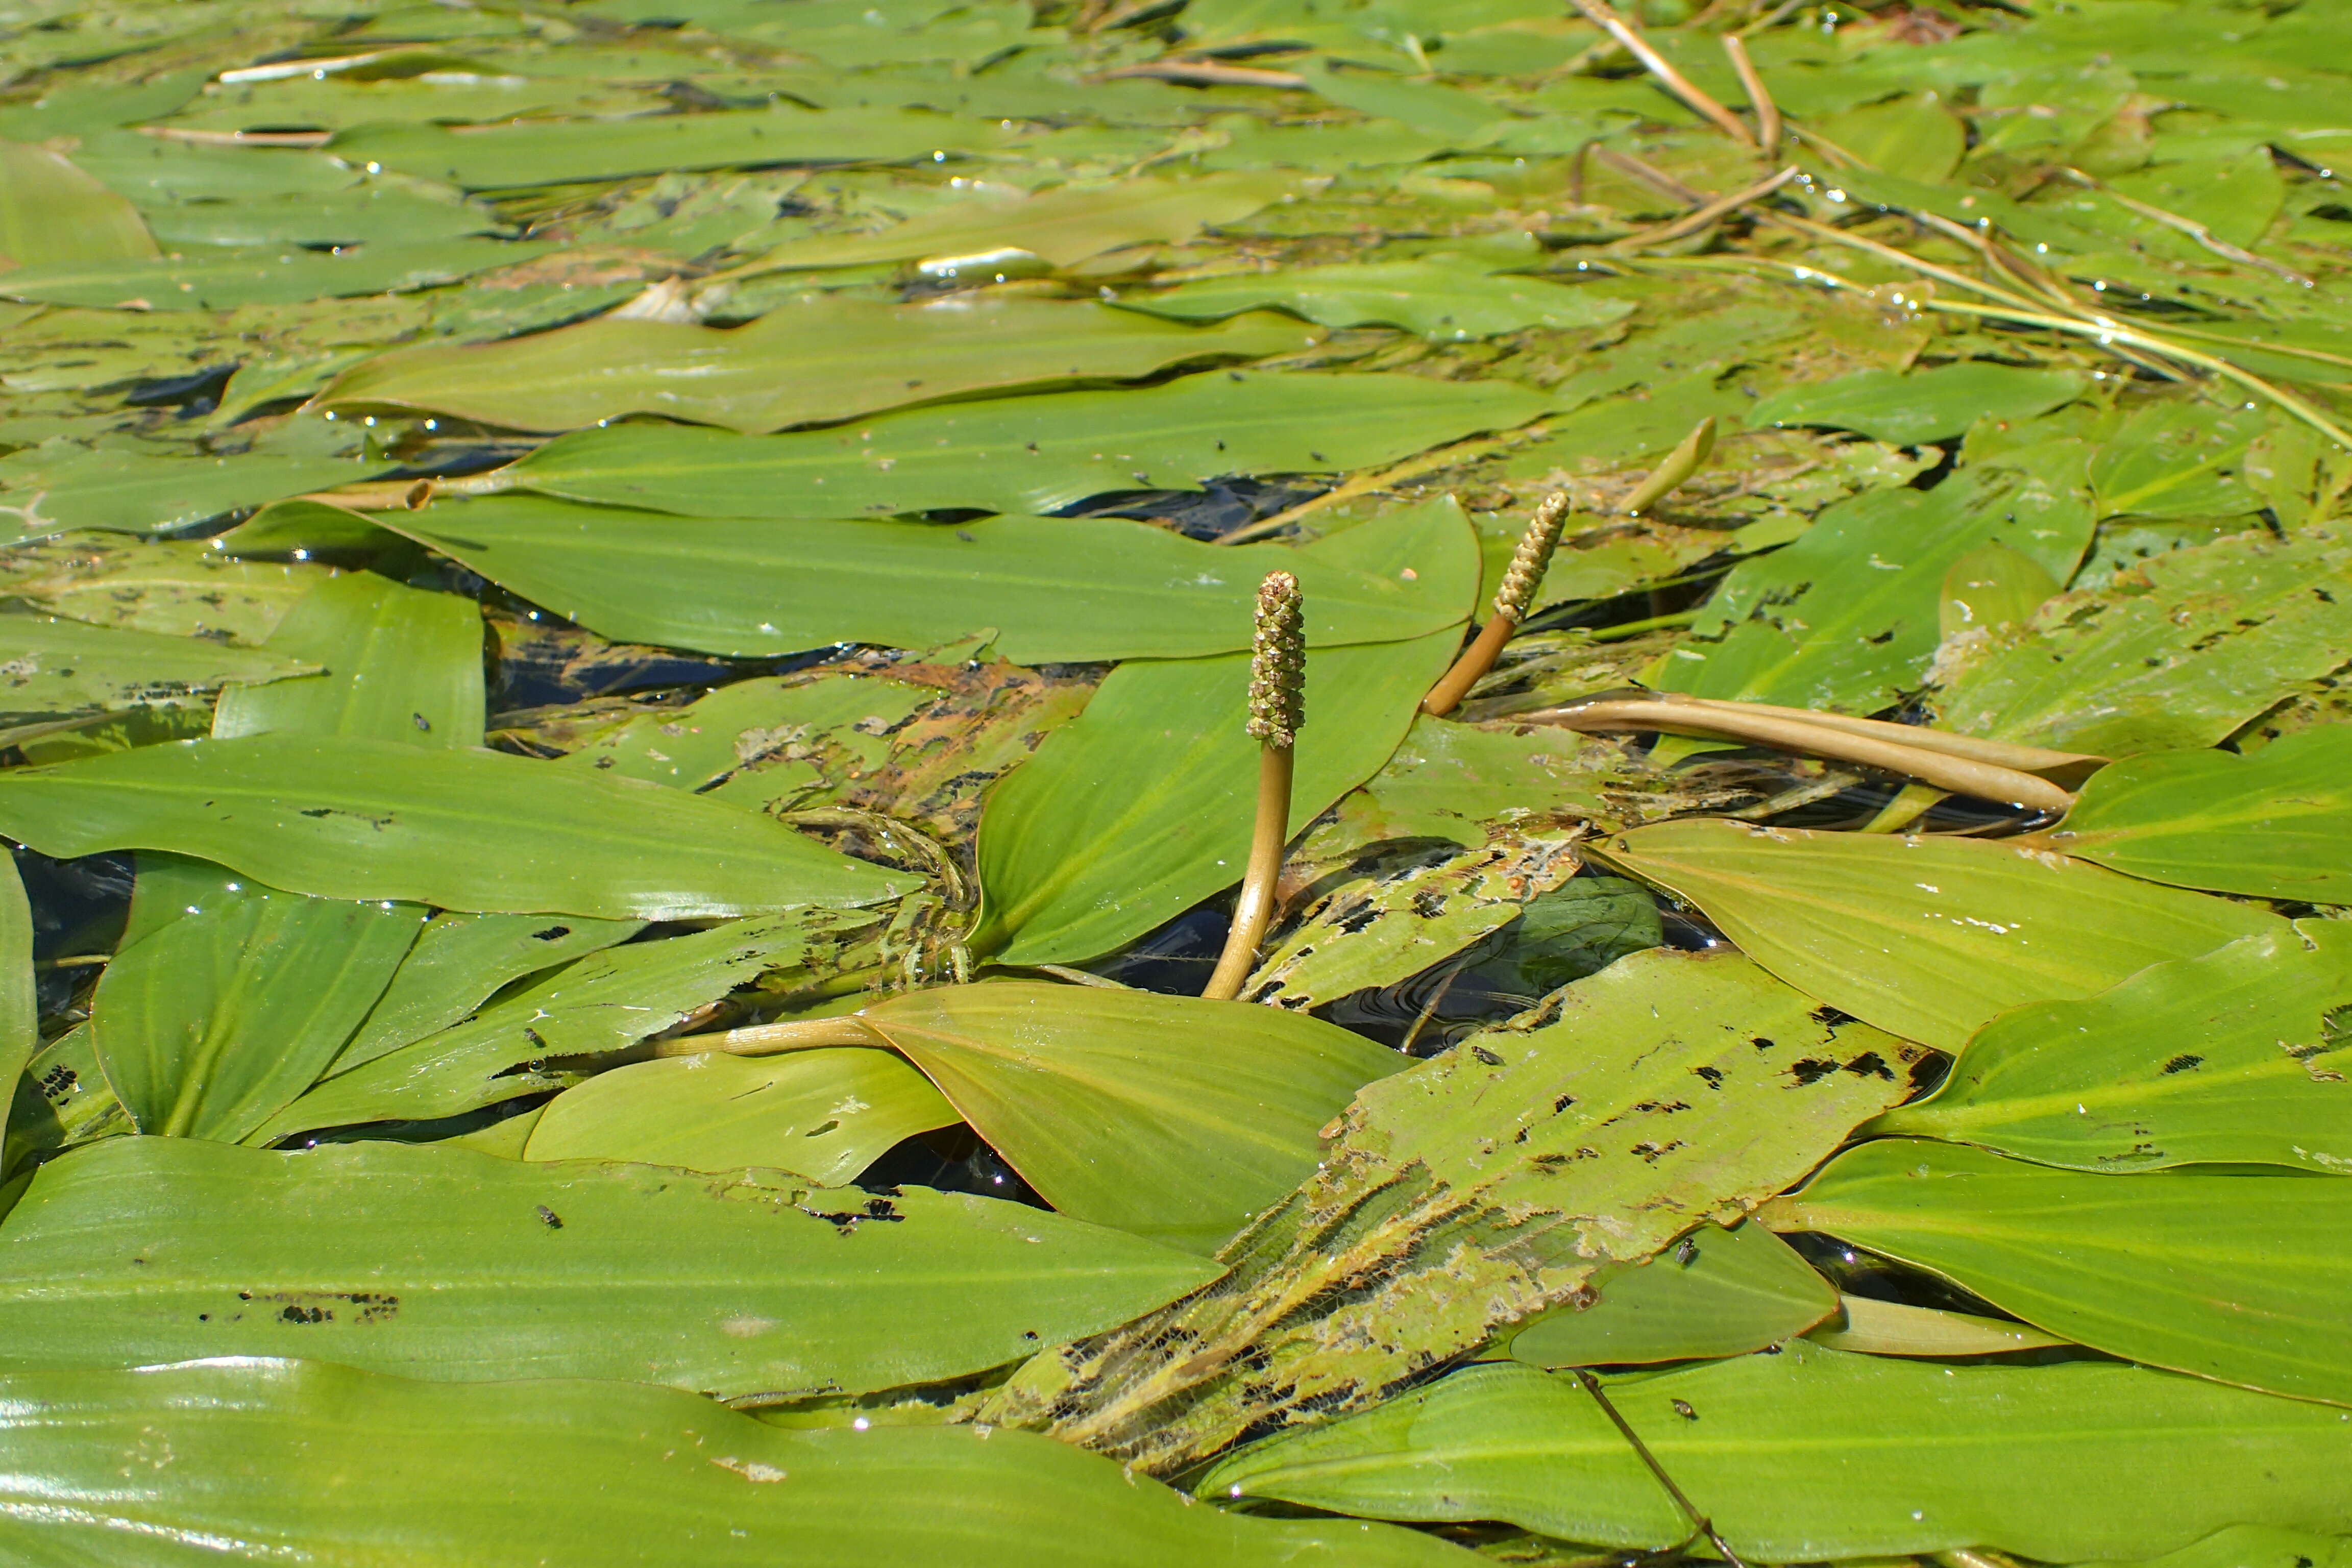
point(1870, 1063)
point(535, 1037)
point(2181, 1063)
point(1484, 1054)
point(421, 722)
point(819, 1130)
point(1714, 1076)
point(306, 1315)
point(1760, 1043)
point(547, 1217)
point(1829, 1017)
point(551, 933)
point(1562, 1103)
point(1812, 1070)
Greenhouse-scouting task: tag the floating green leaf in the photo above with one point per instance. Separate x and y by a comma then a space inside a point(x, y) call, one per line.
point(823, 1114)
point(1643, 1104)
point(50, 666)
point(399, 665)
point(1924, 406)
point(436, 1475)
point(171, 587)
point(52, 213)
point(470, 830)
point(1846, 617)
point(262, 276)
point(454, 1265)
point(1056, 589)
point(827, 358)
point(547, 153)
point(1061, 226)
point(211, 1024)
point(459, 961)
point(2235, 1277)
point(1447, 299)
point(2226, 1058)
point(1033, 454)
point(2277, 825)
point(1928, 938)
point(20, 1010)
point(135, 490)
point(552, 1031)
point(2176, 654)
point(1140, 808)
point(2092, 1460)
point(1716, 1292)
point(1170, 1117)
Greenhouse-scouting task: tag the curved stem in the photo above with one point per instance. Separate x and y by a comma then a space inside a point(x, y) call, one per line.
point(774, 1039)
point(1255, 912)
point(1957, 774)
point(1475, 661)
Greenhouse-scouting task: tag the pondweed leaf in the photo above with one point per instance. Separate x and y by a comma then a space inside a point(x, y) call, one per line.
point(134, 490)
point(827, 358)
point(2235, 1277)
point(1904, 410)
point(1170, 1117)
point(2172, 655)
point(1035, 453)
point(823, 1114)
point(1642, 1105)
point(472, 830)
point(1716, 1292)
point(171, 587)
point(1867, 1325)
point(1442, 298)
point(1846, 617)
point(446, 1476)
point(211, 1024)
point(2277, 825)
point(425, 1260)
point(545, 152)
point(1928, 938)
point(549, 1032)
point(52, 213)
point(57, 667)
point(20, 1011)
point(396, 665)
point(459, 961)
point(1058, 226)
point(1055, 589)
point(1141, 807)
point(2095, 1461)
point(2230, 1059)
point(263, 275)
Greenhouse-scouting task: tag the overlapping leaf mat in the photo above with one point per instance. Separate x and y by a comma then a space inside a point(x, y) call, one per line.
point(625, 637)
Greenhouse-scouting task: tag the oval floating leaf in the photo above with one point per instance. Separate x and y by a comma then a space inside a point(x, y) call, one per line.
point(448, 1264)
point(1057, 589)
point(470, 830)
point(1928, 938)
point(50, 666)
point(829, 358)
point(399, 665)
point(2092, 1460)
point(51, 212)
point(2240, 1279)
point(1167, 1116)
point(1140, 807)
point(1904, 410)
point(2277, 825)
point(1716, 1292)
point(1444, 299)
point(304, 1461)
point(824, 1114)
point(2230, 1059)
point(1036, 454)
